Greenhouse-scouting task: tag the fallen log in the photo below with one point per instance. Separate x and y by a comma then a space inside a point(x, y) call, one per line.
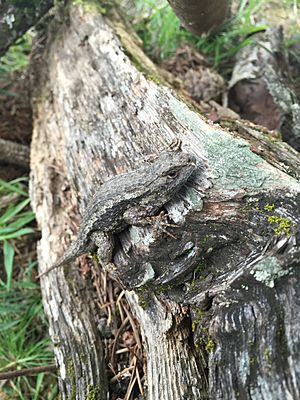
point(218, 301)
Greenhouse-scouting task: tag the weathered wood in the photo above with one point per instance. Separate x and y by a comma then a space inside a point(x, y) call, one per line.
point(202, 299)
point(260, 88)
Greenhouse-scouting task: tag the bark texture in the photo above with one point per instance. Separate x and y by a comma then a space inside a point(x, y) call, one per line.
point(201, 16)
point(261, 88)
point(218, 304)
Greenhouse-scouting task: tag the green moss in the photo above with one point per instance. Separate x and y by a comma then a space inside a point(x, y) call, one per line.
point(143, 298)
point(198, 315)
point(70, 368)
point(198, 274)
point(154, 78)
point(162, 288)
point(210, 345)
point(71, 376)
point(199, 268)
point(194, 325)
point(132, 48)
point(203, 339)
point(95, 258)
point(204, 330)
point(135, 60)
point(92, 392)
point(91, 6)
point(267, 356)
point(252, 361)
point(269, 207)
point(271, 138)
point(143, 304)
point(138, 61)
point(282, 224)
point(205, 342)
point(193, 283)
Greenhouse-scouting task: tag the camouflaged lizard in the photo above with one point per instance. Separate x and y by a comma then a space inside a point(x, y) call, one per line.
point(128, 199)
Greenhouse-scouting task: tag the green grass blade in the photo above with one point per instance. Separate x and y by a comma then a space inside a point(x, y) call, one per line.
point(18, 389)
point(16, 225)
point(8, 252)
point(12, 211)
point(12, 187)
point(22, 220)
point(8, 325)
point(38, 385)
point(16, 234)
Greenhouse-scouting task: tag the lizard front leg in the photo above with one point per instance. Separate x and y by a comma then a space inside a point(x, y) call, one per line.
point(139, 216)
point(105, 245)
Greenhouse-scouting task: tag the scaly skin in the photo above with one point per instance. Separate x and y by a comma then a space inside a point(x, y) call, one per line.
point(128, 199)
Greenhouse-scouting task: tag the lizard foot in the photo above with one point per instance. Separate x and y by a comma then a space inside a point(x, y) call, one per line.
point(160, 224)
point(105, 245)
point(110, 267)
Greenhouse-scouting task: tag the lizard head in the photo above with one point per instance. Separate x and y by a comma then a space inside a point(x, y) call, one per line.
point(172, 170)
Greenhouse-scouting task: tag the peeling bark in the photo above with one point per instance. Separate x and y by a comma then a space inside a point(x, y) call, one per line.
point(217, 303)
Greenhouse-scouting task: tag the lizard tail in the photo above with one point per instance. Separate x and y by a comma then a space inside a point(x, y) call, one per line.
point(73, 251)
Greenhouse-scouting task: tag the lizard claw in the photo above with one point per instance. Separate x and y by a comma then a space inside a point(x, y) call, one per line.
point(160, 224)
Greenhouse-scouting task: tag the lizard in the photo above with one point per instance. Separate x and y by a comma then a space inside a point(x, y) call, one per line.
point(127, 199)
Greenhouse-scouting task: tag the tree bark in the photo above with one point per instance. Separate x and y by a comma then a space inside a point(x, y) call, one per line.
point(201, 16)
point(218, 306)
point(260, 88)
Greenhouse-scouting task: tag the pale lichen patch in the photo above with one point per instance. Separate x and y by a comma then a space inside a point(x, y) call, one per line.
point(232, 163)
point(268, 271)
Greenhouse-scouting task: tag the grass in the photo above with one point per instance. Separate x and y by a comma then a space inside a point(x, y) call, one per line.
point(24, 342)
point(16, 58)
point(13, 222)
point(161, 32)
point(23, 339)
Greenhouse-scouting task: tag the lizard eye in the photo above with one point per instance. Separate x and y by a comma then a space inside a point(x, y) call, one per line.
point(172, 174)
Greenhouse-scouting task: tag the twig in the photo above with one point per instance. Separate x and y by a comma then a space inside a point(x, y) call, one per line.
point(121, 373)
point(139, 382)
point(132, 379)
point(113, 351)
point(28, 371)
point(134, 328)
